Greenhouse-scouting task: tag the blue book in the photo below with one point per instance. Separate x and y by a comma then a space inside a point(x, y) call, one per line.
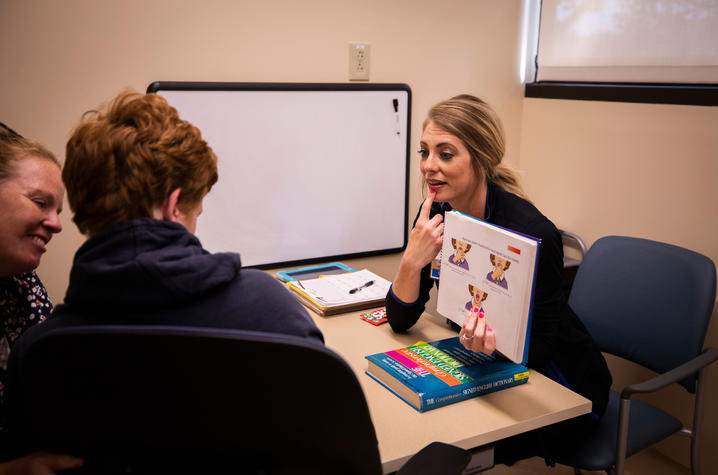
point(435, 374)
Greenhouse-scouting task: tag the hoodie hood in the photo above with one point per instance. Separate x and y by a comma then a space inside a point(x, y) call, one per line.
point(146, 262)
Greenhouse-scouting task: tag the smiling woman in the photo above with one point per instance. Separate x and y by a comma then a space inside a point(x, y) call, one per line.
point(31, 194)
point(32, 199)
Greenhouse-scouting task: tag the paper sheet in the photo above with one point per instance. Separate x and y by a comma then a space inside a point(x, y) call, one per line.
point(335, 290)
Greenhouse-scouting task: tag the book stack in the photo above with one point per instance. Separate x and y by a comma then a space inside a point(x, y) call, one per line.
point(333, 294)
point(480, 267)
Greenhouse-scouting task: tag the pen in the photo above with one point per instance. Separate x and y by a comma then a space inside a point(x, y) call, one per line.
point(357, 289)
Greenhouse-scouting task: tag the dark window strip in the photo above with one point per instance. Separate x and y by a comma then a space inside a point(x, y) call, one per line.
point(686, 94)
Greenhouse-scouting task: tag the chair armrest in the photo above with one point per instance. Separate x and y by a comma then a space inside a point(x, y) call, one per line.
point(576, 238)
point(678, 373)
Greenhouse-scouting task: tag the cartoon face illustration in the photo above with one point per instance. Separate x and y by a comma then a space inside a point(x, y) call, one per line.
point(500, 265)
point(461, 249)
point(459, 257)
point(478, 297)
point(497, 274)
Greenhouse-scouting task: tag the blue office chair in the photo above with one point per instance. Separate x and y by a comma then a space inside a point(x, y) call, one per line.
point(164, 399)
point(650, 303)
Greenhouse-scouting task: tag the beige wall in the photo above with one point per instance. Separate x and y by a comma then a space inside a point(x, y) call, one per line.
point(62, 58)
point(643, 170)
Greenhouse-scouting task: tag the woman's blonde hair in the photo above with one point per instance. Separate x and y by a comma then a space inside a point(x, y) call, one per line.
point(14, 147)
point(123, 162)
point(476, 124)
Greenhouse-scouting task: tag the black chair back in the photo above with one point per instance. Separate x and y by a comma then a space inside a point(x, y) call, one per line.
point(191, 400)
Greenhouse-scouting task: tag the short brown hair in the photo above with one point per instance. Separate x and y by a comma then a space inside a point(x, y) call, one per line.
point(14, 147)
point(123, 162)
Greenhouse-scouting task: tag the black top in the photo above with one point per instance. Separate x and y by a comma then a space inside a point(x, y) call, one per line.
point(560, 346)
point(146, 271)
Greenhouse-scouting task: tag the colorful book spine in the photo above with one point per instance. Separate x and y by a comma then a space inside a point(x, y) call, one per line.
point(432, 375)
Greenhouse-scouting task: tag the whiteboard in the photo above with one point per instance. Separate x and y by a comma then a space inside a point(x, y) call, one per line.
point(307, 172)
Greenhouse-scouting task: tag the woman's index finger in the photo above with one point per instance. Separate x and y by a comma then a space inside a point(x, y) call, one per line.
point(426, 206)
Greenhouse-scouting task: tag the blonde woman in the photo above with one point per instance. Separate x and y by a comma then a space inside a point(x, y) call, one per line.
point(462, 148)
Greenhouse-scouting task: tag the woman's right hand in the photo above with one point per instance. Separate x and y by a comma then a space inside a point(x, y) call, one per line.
point(423, 246)
point(426, 237)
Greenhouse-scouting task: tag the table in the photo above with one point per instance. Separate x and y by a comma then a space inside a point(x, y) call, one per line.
point(401, 430)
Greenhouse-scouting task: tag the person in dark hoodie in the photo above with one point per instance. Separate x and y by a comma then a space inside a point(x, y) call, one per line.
point(136, 175)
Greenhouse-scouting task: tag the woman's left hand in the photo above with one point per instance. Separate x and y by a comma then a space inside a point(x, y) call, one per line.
point(476, 335)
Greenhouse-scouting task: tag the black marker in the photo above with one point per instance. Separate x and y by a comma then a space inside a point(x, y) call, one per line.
point(357, 289)
point(396, 111)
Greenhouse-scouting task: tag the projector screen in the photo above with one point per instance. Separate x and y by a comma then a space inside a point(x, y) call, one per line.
point(307, 172)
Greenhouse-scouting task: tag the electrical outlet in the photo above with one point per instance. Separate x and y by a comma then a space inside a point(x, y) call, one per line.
point(359, 55)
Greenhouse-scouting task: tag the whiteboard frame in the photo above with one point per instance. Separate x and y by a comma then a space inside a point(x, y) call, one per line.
point(321, 256)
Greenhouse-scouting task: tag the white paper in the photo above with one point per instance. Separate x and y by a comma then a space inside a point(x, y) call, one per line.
point(335, 289)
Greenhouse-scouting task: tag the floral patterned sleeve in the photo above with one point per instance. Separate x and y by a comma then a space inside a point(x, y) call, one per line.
point(23, 303)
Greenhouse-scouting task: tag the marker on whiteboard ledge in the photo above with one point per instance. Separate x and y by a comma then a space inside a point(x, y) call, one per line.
point(395, 102)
